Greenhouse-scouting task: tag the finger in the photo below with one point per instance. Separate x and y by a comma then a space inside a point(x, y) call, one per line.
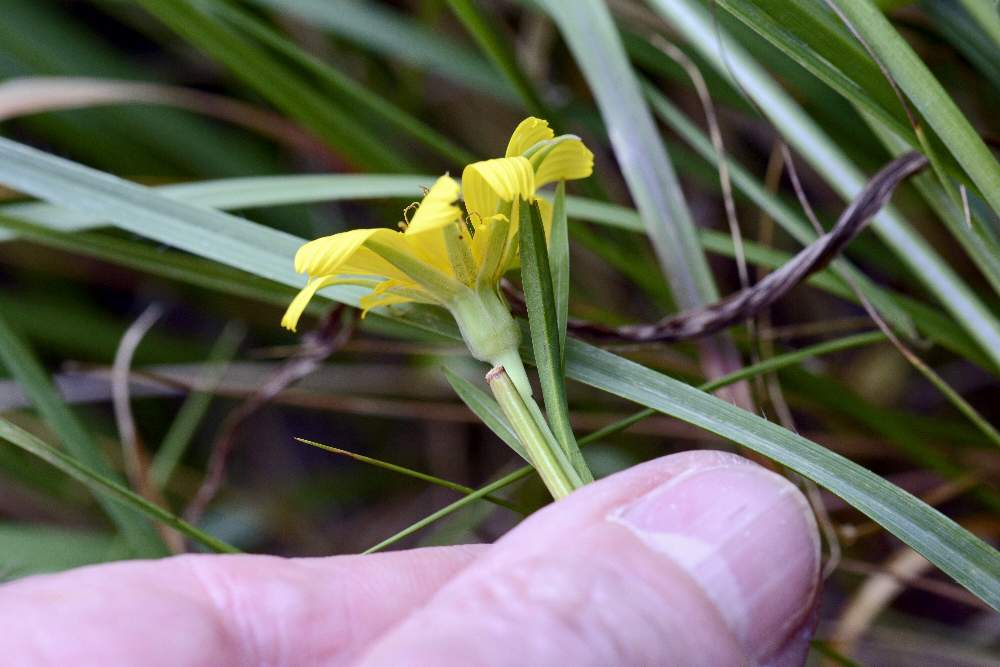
point(218, 610)
point(700, 558)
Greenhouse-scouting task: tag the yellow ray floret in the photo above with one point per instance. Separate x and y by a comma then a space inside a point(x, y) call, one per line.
point(440, 258)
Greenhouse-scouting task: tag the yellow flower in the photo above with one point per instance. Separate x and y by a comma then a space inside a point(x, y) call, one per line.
point(447, 259)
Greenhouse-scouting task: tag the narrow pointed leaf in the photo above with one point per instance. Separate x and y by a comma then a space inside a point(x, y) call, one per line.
point(559, 264)
point(545, 344)
point(20, 360)
point(927, 95)
point(107, 487)
point(695, 23)
point(486, 408)
point(409, 472)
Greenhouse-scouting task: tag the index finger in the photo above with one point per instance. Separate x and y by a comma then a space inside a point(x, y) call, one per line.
point(218, 610)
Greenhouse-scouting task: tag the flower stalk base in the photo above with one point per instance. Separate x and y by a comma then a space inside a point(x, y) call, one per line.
point(545, 454)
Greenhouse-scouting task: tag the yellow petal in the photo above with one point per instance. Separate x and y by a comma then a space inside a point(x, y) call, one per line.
point(487, 185)
point(371, 301)
point(489, 248)
point(365, 262)
point(394, 291)
point(545, 208)
point(298, 305)
point(433, 245)
point(564, 160)
point(327, 256)
point(512, 257)
point(529, 132)
point(437, 208)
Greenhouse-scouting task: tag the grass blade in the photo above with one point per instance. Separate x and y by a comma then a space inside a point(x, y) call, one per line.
point(277, 190)
point(694, 22)
point(772, 364)
point(959, 553)
point(799, 26)
point(277, 83)
point(813, 38)
point(195, 407)
point(591, 35)
point(390, 33)
point(929, 97)
point(107, 487)
point(415, 474)
point(25, 367)
point(559, 264)
point(500, 53)
point(482, 492)
point(487, 409)
point(35, 548)
point(540, 300)
point(986, 15)
point(790, 221)
point(349, 93)
point(972, 27)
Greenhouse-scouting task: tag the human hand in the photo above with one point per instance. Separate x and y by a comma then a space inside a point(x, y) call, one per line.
point(700, 558)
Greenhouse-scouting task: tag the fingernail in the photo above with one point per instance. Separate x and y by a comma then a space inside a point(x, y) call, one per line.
point(745, 535)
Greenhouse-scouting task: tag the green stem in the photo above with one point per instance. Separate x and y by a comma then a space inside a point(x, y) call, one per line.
point(546, 456)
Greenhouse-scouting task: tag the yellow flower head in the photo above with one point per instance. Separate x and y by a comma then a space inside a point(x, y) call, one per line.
point(443, 257)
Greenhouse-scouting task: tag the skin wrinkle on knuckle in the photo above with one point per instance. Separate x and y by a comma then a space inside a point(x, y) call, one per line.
point(237, 596)
point(577, 600)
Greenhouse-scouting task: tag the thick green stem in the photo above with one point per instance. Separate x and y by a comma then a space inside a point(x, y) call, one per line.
point(546, 456)
point(490, 333)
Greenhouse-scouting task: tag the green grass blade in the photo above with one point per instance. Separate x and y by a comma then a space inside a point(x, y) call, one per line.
point(499, 52)
point(277, 190)
point(482, 492)
point(45, 38)
point(540, 300)
point(415, 474)
point(236, 193)
point(959, 553)
point(278, 84)
point(107, 487)
point(986, 15)
point(25, 367)
point(977, 242)
point(35, 548)
point(390, 33)
point(972, 27)
point(929, 321)
point(194, 408)
point(789, 220)
point(814, 39)
point(486, 408)
point(695, 24)
point(928, 96)
point(349, 93)
point(593, 38)
point(143, 257)
point(218, 236)
point(772, 364)
point(559, 263)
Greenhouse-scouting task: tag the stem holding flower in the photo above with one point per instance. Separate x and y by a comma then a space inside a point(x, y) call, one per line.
point(442, 258)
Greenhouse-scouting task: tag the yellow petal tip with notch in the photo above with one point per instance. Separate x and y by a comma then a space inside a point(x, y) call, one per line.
point(528, 132)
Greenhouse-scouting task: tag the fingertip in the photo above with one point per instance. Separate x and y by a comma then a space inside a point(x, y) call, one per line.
point(746, 536)
point(695, 558)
